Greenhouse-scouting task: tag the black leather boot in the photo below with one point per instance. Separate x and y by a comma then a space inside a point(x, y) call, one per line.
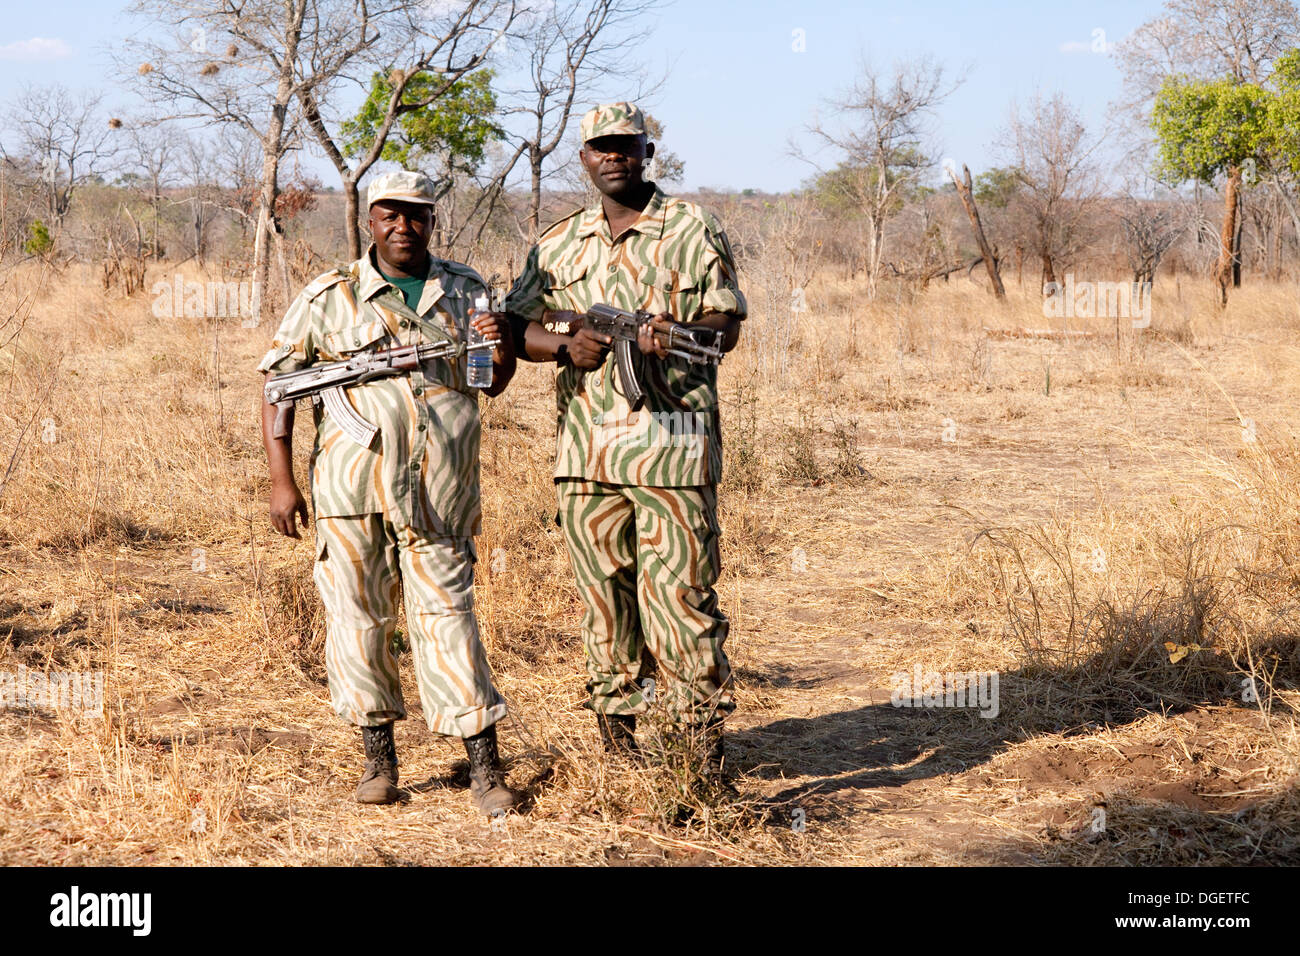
point(379, 782)
point(487, 782)
point(617, 733)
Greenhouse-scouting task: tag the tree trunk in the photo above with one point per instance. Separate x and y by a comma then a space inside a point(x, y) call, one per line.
point(266, 224)
point(1049, 271)
point(967, 197)
point(272, 148)
point(197, 212)
point(1236, 248)
point(1275, 254)
point(535, 200)
point(352, 204)
point(875, 254)
point(1231, 203)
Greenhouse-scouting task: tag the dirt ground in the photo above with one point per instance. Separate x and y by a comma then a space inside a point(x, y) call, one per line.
point(859, 482)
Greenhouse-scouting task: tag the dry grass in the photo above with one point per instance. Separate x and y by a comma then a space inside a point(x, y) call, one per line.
point(1058, 512)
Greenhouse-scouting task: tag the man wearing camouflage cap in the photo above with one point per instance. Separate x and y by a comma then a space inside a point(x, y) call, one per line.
point(637, 502)
point(403, 509)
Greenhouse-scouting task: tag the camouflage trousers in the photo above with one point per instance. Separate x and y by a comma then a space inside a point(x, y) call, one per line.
point(360, 562)
point(645, 561)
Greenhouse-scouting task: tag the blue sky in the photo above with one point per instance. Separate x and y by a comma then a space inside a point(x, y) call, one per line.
point(739, 92)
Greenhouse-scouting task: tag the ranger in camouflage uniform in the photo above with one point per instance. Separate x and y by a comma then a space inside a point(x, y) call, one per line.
point(404, 509)
point(637, 489)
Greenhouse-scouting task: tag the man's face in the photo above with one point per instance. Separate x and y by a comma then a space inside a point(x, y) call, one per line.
point(616, 163)
point(401, 231)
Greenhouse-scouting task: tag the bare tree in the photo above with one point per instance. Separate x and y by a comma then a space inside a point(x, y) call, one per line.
point(230, 63)
point(65, 137)
point(966, 193)
point(1151, 227)
point(238, 167)
point(151, 153)
point(1049, 148)
point(885, 151)
point(203, 196)
point(257, 65)
point(570, 45)
point(1207, 39)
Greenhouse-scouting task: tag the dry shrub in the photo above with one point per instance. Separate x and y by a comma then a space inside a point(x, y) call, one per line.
point(798, 460)
point(295, 617)
point(847, 465)
point(1212, 620)
point(668, 788)
point(744, 460)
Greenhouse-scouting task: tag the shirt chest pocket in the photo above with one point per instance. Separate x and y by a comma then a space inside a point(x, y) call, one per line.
point(565, 289)
point(355, 338)
point(671, 291)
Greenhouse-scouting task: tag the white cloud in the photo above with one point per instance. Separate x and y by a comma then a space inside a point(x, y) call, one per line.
point(37, 48)
point(1076, 46)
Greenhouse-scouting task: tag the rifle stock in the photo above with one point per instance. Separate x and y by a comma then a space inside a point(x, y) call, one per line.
point(329, 380)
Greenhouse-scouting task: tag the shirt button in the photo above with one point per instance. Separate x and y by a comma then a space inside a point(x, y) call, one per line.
point(613, 267)
point(417, 390)
point(415, 466)
point(421, 426)
point(406, 323)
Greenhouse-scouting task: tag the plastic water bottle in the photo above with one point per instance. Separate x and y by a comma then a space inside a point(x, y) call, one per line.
point(478, 373)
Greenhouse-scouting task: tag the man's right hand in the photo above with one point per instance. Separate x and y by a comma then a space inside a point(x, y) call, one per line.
point(287, 504)
point(587, 348)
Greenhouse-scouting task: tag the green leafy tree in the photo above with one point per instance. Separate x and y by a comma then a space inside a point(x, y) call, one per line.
point(453, 131)
point(1283, 139)
point(1212, 129)
point(39, 241)
point(1283, 146)
point(846, 189)
point(997, 187)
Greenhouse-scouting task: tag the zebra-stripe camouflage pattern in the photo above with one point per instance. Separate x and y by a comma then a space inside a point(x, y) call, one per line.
point(611, 119)
point(675, 258)
point(423, 469)
point(358, 563)
point(655, 549)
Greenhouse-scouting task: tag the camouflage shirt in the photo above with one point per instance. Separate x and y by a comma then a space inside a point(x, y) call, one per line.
point(423, 468)
point(675, 258)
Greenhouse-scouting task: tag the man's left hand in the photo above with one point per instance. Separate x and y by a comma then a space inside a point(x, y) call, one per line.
point(495, 325)
point(646, 339)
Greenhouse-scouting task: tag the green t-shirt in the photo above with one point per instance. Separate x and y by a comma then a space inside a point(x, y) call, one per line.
point(411, 288)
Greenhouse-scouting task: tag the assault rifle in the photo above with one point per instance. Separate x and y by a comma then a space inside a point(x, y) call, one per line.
point(325, 383)
point(697, 344)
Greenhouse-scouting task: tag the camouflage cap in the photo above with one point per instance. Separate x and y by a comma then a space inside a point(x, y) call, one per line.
point(612, 119)
point(402, 185)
